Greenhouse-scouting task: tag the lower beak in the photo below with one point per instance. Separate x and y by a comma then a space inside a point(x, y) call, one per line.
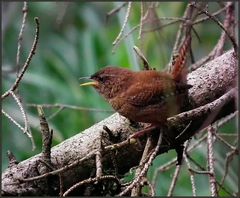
point(94, 83)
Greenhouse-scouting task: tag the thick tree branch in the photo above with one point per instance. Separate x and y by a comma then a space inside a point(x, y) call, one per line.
point(210, 82)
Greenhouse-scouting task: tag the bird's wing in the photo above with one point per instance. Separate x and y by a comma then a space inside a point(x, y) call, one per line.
point(144, 94)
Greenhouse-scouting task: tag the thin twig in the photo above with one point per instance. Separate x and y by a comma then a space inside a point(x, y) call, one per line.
point(60, 170)
point(141, 22)
point(20, 36)
point(12, 120)
point(98, 164)
point(145, 168)
point(163, 25)
point(189, 167)
point(26, 64)
point(124, 24)
point(55, 113)
point(147, 150)
point(91, 180)
point(152, 191)
point(207, 17)
point(191, 175)
point(60, 185)
point(146, 65)
point(154, 29)
point(232, 39)
point(205, 172)
point(224, 141)
point(114, 11)
point(200, 172)
point(226, 119)
point(229, 158)
point(210, 159)
point(174, 180)
point(171, 163)
point(58, 105)
point(79, 161)
point(26, 123)
point(22, 111)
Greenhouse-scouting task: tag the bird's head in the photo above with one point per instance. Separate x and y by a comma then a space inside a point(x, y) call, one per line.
point(109, 81)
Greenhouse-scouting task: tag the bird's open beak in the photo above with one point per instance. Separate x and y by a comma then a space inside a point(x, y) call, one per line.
point(93, 83)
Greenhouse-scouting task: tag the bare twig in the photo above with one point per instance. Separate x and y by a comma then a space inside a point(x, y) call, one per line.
point(26, 64)
point(55, 113)
point(174, 20)
point(145, 168)
point(98, 164)
point(91, 180)
point(200, 172)
point(171, 163)
point(22, 111)
point(174, 180)
point(146, 65)
point(207, 17)
point(81, 160)
point(224, 141)
point(124, 24)
point(229, 158)
point(20, 36)
point(60, 170)
point(191, 175)
point(203, 171)
point(210, 159)
point(12, 120)
point(141, 22)
point(152, 191)
point(231, 37)
point(26, 123)
point(226, 119)
point(115, 10)
point(60, 185)
point(147, 150)
point(57, 105)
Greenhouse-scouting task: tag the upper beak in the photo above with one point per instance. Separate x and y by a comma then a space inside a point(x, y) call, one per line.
point(93, 83)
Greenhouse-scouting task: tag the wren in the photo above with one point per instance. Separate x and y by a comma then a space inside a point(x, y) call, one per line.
point(147, 96)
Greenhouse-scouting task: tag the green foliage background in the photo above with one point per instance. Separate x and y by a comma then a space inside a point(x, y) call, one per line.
point(77, 42)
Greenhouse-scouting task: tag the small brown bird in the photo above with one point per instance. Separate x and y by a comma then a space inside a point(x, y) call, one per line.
point(147, 96)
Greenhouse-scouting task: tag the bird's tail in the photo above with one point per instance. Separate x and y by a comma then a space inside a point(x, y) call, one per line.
point(179, 61)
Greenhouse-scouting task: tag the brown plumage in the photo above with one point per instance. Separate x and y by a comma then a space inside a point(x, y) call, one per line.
point(145, 96)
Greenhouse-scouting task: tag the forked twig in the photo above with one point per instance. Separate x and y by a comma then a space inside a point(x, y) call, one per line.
point(26, 64)
point(232, 39)
point(145, 168)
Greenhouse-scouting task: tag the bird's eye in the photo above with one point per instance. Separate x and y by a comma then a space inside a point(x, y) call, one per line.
point(102, 78)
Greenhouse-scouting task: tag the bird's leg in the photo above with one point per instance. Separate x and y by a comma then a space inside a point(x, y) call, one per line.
point(179, 150)
point(149, 129)
point(143, 132)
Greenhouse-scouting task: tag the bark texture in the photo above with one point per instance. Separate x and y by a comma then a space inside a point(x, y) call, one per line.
point(209, 83)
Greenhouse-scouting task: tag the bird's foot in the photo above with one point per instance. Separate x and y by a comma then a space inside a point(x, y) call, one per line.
point(179, 150)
